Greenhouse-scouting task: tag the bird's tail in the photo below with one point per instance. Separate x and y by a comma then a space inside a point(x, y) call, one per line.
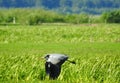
point(73, 62)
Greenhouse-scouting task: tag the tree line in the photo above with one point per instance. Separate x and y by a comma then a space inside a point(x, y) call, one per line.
point(65, 6)
point(35, 17)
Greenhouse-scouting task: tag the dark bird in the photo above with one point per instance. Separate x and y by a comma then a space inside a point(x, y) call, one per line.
point(53, 64)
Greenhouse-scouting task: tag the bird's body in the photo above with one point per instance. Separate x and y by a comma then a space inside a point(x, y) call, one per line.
point(53, 64)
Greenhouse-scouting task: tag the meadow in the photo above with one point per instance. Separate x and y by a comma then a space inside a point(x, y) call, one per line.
point(94, 47)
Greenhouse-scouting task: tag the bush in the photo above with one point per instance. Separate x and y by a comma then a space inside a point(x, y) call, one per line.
point(111, 17)
point(34, 20)
point(9, 19)
point(74, 18)
point(82, 18)
point(69, 18)
point(44, 17)
point(1, 19)
point(59, 18)
point(95, 19)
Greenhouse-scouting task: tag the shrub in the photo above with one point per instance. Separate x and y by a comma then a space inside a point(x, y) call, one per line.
point(111, 17)
point(1, 19)
point(81, 18)
point(69, 18)
point(9, 19)
point(35, 19)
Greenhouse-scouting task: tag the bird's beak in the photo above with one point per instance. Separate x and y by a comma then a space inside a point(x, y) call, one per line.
point(42, 58)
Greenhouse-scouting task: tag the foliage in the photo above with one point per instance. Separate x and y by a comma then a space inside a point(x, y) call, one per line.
point(37, 16)
point(1, 18)
point(77, 18)
point(111, 17)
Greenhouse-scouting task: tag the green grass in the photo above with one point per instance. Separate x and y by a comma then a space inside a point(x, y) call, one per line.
point(95, 48)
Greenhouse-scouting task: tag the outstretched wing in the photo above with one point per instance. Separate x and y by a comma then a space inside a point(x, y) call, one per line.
point(52, 70)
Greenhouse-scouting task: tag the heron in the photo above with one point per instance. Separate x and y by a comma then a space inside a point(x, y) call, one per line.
point(53, 64)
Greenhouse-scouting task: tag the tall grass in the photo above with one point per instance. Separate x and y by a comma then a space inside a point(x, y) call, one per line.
point(95, 48)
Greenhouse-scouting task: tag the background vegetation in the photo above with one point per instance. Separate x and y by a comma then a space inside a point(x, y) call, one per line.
point(37, 16)
point(94, 47)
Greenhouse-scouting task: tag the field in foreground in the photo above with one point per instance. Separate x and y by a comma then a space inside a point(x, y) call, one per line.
point(95, 48)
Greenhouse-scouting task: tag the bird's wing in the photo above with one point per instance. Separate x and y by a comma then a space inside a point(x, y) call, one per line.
point(47, 68)
point(52, 70)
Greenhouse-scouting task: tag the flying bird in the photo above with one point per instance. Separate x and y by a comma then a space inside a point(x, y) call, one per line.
point(53, 64)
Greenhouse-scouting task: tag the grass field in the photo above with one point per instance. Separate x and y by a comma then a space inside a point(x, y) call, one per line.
point(95, 48)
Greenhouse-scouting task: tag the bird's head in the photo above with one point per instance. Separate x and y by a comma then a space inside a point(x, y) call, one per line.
point(47, 57)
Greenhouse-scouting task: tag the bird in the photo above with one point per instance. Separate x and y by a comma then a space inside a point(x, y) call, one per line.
point(53, 64)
